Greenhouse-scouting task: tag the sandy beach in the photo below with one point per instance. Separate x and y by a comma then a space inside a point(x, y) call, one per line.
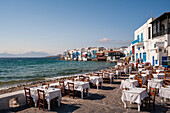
point(105, 100)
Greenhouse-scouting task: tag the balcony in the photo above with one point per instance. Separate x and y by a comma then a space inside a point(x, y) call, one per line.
point(162, 32)
point(137, 41)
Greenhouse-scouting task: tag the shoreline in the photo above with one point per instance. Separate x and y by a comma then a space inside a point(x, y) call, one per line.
point(20, 86)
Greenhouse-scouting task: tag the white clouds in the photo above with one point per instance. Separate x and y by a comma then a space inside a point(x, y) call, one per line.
point(115, 43)
point(104, 40)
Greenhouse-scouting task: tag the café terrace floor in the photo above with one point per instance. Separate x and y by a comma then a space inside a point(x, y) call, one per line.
point(105, 100)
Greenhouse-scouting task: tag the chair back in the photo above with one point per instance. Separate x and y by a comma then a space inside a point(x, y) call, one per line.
point(45, 84)
point(70, 86)
point(41, 94)
point(152, 92)
point(167, 74)
point(61, 83)
point(27, 92)
point(140, 82)
point(136, 78)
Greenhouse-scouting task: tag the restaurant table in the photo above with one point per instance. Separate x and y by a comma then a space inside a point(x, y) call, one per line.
point(159, 70)
point(128, 83)
point(158, 75)
point(141, 65)
point(132, 77)
point(50, 94)
point(155, 83)
point(118, 73)
point(96, 80)
point(134, 95)
point(110, 75)
point(143, 78)
point(141, 69)
point(126, 71)
point(164, 93)
point(79, 86)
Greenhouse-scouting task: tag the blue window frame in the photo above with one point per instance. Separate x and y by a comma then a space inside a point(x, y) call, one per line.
point(140, 55)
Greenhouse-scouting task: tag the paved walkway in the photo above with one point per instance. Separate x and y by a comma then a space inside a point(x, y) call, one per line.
point(105, 100)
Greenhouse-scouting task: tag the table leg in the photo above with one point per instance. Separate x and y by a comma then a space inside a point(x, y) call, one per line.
point(48, 102)
point(87, 91)
point(58, 102)
point(35, 102)
point(97, 86)
point(138, 107)
point(162, 101)
point(101, 84)
point(82, 94)
point(111, 80)
point(124, 104)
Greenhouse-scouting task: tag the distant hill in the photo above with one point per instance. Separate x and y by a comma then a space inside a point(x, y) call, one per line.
point(29, 54)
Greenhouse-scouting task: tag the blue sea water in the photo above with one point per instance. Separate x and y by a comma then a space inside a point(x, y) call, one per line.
point(19, 70)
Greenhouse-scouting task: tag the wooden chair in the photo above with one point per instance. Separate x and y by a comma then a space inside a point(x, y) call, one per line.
point(167, 82)
point(140, 81)
point(167, 75)
point(62, 87)
point(29, 100)
point(71, 89)
point(41, 98)
point(152, 93)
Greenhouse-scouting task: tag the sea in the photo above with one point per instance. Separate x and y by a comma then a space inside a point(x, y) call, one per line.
point(14, 71)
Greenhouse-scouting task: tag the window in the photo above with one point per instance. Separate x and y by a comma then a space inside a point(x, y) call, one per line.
point(154, 28)
point(149, 33)
point(164, 50)
point(138, 48)
point(154, 45)
point(160, 50)
point(156, 61)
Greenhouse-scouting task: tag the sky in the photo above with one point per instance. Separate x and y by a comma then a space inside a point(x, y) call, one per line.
point(53, 26)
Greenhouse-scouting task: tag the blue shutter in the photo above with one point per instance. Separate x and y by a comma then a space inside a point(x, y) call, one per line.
point(144, 57)
point(136, 55)
point(141, 37)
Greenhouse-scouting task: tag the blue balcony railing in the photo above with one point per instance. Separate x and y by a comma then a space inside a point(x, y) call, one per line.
point(135, 41)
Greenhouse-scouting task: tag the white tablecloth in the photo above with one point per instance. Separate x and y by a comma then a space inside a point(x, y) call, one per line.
point(96, 80)
point(158, 75)
point(143, 78)
point(164, 92)
point(110, 75)
point(141, 69)
point(155, 83)
point(134, 95)
point(160, 70)
point(78, 85)
point(50, 93)
point(128, 83)
point(132, 77)
point(118, 73)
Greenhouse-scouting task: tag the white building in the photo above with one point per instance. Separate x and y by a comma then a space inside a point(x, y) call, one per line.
point(152, 40)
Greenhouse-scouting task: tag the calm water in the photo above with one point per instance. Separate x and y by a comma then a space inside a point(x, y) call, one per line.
point(19, 70)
